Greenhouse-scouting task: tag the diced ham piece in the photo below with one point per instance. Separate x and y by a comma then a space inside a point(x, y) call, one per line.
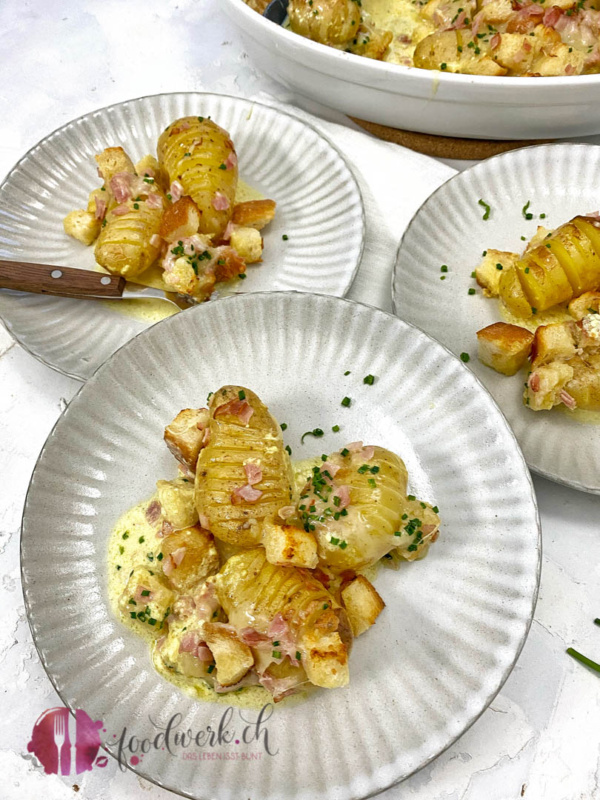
point(354, 447)
point(459, 22)
point(160, 642)
point(570, 69)
point(172, 561)
point(165, 529)
point(330, 467)
point(567, 399)
point(177, 555)
point(322, 577)
point(168, 566)
point(100, 212)
point(189, 642)
point(280, 632)
point(183, 127)
point(176, 191)
point(232, 160)
point(245, 494)
point(121, 210)
point(228, 231)
point(527, 47)
point(236, 408)
point(427, 529)
point(495, 41)
point(253, 473)
point(534, 382)
point(343, 492)
point(206, 602)
point(204, 523)
point(253, 638)
point(551, 16)
point(155, 240)
point(120, 186)
point(286, 511)
point(203, 653)
point(154, 201)
point(149, 173)
point(220, 202)
point(368, 452)
point(279, 687)
point(153, 512)
point(139, 597)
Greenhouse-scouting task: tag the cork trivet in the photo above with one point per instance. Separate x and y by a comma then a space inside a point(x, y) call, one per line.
point(444, 146)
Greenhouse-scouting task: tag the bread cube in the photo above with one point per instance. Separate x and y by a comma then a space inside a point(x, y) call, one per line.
point(176, 499)
point(586, 303)
point(254, 213)
point(82, 225)
point(147, 600)
point(286, 545)
point(363, 604)
point(504, 347)
point(545, 384)
point(187, 557)
point(232, 657)
point(112, 161)
point(178, 654)
point(556, 342)
point(584, 386)
point(180, 220)
point(184, 436)
point(325, 659)
point(248, 244)
point(488, 273)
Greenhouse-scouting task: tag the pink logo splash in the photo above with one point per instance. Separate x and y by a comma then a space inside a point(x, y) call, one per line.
point(66, 746)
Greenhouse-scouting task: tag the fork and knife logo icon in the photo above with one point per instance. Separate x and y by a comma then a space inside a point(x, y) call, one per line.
point(61, 733)
point(65, 744)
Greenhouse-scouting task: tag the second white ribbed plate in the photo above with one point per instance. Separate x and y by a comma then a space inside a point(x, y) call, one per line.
point(559, 181)
point(454, 623)
point(319, 210)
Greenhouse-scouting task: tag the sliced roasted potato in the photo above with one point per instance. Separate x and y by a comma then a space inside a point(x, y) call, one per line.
point(512, 294)
point(544, 281)
point(232, 657)
point(185, 434)
point(332, 22)
point(504, 347)
point(363, 604)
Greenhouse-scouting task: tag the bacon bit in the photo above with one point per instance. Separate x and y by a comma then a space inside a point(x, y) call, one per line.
point(278, 626)
point(204, 523)
point(232, 160)
point(286, 511)
point(322, 577)
point(160, 642)
point(176, 191)
point(253, 473)
point(100, 212)
point(177, 555)
point(527, 47)
point(168, 566)
point(568, 400)
point(206, 602)
point(220, 202)
point(570, 69)
point(495, 41)
point(183, 127)
point(330, 467)
point(459, 22)
point(354, 447)
point(343, 492)
point(206, 437)
point(403, 38)
point(153, 512)
point(154, 201)
point(228, 231)
point(279, 687)
point(534, 382)
point(235, 408)
point(155, 240)
point(253, 638)
point(165, 530)
point(427, 529)
point(551, 16)
point(119, 211)
point(120, 186)
point(245, 493)
point(139, 598)
point(368, 452)
point(189, 642)
point(203, 652)
point(280, 630)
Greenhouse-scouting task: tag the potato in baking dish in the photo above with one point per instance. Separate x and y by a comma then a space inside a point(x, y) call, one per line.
point(201, 162)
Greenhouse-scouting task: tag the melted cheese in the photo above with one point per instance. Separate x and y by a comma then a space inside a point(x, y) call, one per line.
point(402, 18)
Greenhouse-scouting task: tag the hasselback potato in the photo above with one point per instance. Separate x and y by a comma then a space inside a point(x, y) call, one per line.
point(564, 266)
point(331, 22)
point(201, 161)
point(243, 474)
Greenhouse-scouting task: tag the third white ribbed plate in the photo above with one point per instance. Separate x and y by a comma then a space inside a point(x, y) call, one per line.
point(319, 210)
point(559, 181)
point(454, 623)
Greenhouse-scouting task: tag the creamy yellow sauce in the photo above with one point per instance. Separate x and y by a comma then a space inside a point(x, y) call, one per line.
point(402, 18)
point(154, 310)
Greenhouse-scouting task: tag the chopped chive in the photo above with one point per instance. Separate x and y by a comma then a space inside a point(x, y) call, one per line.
point(369, 380)
point(283, 426)
point(335, 428)
point(583, 659)
point(344, 452)
point(465, 357)
point(499, 266)
point(411, 497)
point(435, 510)
point(141, 540)
point(325, 606)
point(298, 655)
point(343, 545)
point(285, 237)
point(346, 402)
point(397, 533)
point(145, 593)
point(125, 535)
point(372, 483)
point(412, 547)
point(242, 394)
point(242, 276)
point(471, 291)
point(347, 372)
point(159, 557)
point(289, 449)
point(526, 214)
point(121, 549)
point(444, 268)
point(482, 203)
point(210, 668)
point(317, 432)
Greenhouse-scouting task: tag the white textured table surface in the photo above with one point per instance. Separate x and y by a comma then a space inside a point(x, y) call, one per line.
point(541, 737)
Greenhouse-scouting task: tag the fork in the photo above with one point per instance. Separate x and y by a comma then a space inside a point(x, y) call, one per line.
point(79, 284)
point(59, 738)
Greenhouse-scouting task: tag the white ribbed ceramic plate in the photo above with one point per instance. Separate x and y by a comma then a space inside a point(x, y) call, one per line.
point(455, 622)
point(319, 208)
point(560, 180)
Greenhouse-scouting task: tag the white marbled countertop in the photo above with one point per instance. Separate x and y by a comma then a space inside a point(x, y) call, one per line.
point(541, 737)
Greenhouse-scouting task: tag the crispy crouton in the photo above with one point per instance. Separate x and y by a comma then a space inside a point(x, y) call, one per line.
point(504, 347)
point(556, 342)
point(182, 219)
point(111, 161)
point(286, 545)
point(146, 600)
point(489, 272)
point(325, 659)
point(232, 657)
point(82, 225)
point(586, 303)
point(184, 435)
point(545, 384)
point(176, 499)
point(362, 603)
point(248, 244)
point(189, 557)
point(253, 213)
point(100, 194)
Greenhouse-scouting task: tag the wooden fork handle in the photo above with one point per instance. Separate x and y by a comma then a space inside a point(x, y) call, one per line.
point(61, 281)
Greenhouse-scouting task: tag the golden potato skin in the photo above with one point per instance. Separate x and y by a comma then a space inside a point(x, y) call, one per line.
point(123, 246)
point(331, 22)
point(200, 155)
point(220, 469)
